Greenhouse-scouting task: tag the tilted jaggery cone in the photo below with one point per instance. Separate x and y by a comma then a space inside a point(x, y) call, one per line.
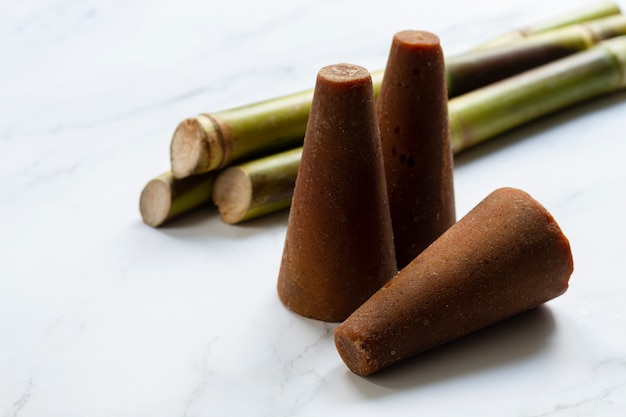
point(506, 256)
point(339, 244)
point(412, 110)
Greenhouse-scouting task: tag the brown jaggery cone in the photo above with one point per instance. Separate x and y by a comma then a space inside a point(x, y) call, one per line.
point(506, 256)
point(412, 110)
point(339, 244)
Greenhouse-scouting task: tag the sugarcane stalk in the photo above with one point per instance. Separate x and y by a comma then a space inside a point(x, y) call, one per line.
point(164, 197)
point(586, 13)
point(474, 118)
point(496, 108)
point(258, 187)
point(469, 71)
point(213, 141)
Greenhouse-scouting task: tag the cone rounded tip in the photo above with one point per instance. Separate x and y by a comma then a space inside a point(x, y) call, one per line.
point(417, 39)
point(342, 74)
point(339, 243)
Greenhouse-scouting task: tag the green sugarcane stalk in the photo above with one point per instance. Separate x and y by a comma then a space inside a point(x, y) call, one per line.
point(494, 109)
point(258, 187)
point(164, 197)
point(285, 118)
point(469, 71)
point(586, 13)
point(476, 116)
point(213, 141)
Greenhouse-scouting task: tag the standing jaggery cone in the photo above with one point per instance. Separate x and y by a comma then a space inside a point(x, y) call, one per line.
point(412, 110)
point(339, 245)
point(506, 256)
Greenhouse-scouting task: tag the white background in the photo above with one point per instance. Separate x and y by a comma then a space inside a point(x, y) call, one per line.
point(101, 315)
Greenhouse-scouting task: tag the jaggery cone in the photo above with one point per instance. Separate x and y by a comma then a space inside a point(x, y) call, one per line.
point(412, 110)
point(506, 256)
point(339, 244)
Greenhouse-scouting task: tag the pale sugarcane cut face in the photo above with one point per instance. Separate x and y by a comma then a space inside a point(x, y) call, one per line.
point(197, 147)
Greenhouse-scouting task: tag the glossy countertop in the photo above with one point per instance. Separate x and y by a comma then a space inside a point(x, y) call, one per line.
point(102, 315)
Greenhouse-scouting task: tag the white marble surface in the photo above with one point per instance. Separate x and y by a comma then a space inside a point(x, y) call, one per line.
point(101, 315)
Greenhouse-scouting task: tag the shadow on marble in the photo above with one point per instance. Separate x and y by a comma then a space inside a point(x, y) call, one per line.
point(192, 219)
point(503, 344)
point(536, 127)
point(278, 218)
point(205, 221)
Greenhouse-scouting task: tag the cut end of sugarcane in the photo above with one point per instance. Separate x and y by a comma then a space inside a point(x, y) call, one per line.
point(196, 147)
point(155, 202)
point(232, 194)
